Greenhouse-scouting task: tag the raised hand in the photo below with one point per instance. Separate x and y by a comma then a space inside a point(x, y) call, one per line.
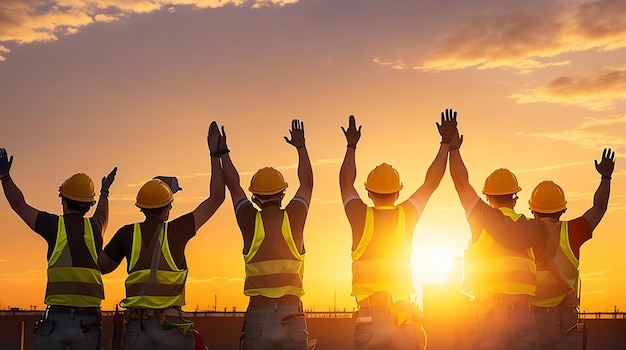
point(447, 129)
point(607, 164)
point(108, 180)
point(5, 163)
point(456, 142)
point(223, 147)
point(297, 134)
point(352, 134)
point(213, 138)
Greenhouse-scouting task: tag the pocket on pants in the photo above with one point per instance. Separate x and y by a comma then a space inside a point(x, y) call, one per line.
point(253, 331)
point(44, 327)
point(362, 336)
point(529, 336)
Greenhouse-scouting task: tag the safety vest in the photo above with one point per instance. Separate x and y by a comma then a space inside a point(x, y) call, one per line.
point(154, 287)
point(497, 269)
point(558, 273)
point(69, 285)
point(376, 268)
point(273, 278)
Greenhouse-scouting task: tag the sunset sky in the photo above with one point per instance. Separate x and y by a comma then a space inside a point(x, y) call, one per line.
point(539, 86)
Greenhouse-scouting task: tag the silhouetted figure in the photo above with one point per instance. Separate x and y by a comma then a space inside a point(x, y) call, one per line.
point(500, 259)
point(273, 249)
point(556, 300)
point(74, 285)
point(382, 282)
point(157, 270)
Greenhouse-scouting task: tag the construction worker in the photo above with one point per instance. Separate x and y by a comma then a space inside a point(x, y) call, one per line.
point(74, 285)
point(273, 249)
point(157, 269)
point(382, 283)
point(500, 258)
point(556, 300)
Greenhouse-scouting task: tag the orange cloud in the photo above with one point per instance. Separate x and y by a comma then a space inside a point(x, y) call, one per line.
point(24, 22)
point(597, 92)
point(593, 134)
point(529, 40)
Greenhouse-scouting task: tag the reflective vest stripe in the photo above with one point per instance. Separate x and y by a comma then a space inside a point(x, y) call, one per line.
point(278, 277)
point(551, 289)
point(167, 287)
point(497, 269)
point(383, 271)
point(69, 285)
point(74, 288)
point(277, 280)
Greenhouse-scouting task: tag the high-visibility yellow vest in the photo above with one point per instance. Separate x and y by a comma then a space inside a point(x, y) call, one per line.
point(552, 288)
point(69, 285)
point(159, 289)
point(497, 269)
point(273, 278)
point(387, 268)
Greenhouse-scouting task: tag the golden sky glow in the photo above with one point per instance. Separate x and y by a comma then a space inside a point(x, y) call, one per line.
point(540, 87)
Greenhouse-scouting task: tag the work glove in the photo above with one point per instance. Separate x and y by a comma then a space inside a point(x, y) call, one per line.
point(5, 163)
point(607, 164)
point(447, 129)
point(352, 134)
point(297, 134)
point(107, 181)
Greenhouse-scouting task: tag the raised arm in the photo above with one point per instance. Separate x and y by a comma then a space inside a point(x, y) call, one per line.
point(460, 177)
point(102, 209)
point(305, 172)
point(231, 176)
point(434, 174)
point(601, 197)
point(14, 194)
point(347, 173)
point(207, 208)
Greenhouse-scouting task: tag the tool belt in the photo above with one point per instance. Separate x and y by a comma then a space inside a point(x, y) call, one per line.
point(261, 301)
point(73, 310)
point(168, 318)
point(376, 300)
point(510, 302)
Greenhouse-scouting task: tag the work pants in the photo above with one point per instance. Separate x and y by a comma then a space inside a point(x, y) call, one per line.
point(504, 323)
point(65, 327)
point(146, 330)
point(555, 332)
point(377, 328)
point(275, 327)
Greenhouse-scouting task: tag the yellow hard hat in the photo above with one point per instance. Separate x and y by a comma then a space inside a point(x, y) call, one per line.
point(78, 187)
point(383, 179)
point(547, 198)
point(154, 194)
point(501, 182)
point(267, 181)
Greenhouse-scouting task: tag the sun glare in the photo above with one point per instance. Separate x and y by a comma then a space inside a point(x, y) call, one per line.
point(435, 263)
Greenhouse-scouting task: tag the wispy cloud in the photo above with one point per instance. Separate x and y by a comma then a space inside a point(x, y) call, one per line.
point(552, 167)
point(525, 40)
point(596, 92)
point(24, 22)
point(592, 134)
